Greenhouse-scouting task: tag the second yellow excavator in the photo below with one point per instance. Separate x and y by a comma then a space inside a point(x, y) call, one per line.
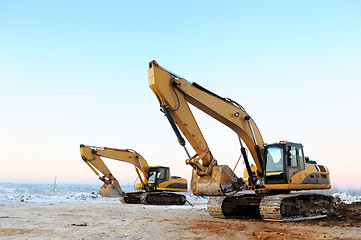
point(156, 183)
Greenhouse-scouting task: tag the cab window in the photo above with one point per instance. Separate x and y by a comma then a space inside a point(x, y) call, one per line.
point(162, 174)
point(301, 159)
point(292, 158)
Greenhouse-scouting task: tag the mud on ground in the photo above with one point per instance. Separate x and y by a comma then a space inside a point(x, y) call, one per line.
point(342, 215)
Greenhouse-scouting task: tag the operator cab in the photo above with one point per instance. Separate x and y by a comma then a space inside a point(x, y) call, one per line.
point(156, 176)
point(282, 161)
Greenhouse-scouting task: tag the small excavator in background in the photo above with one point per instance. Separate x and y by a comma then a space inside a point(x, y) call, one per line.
point(279, 168)
point(156, 184)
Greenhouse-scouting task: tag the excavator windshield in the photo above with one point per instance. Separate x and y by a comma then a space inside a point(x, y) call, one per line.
point(274, 159)
point(274, 165)
point(152, 176)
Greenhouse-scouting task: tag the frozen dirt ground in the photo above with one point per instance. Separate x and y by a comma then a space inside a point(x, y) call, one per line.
point(113, 220)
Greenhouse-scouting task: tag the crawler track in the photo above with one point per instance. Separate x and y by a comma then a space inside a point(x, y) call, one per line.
point(153, 198)
point(295, 207)
point(214, 207)
point(131, 198)
point(161, 198)
point(281, 207)
point(238, 206)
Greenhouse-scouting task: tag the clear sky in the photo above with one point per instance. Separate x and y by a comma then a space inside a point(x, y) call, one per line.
point(75, 72)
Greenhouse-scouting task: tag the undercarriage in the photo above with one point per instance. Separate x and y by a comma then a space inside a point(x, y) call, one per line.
point(153, 198)
point(280, 207)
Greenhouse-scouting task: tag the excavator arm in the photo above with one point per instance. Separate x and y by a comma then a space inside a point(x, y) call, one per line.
point(111, 188)
point(174, 94)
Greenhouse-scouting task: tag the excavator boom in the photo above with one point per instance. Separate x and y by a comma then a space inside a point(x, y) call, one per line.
point(111, 187)
point(174, 95)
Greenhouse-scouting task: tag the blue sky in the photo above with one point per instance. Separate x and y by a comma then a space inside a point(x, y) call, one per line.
point(76, 72)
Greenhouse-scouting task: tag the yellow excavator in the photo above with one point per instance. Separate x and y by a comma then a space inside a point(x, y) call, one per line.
point(156, 183)
point(279, 167)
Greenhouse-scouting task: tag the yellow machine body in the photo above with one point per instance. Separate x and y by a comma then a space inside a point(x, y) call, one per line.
point(155, 178)
point(175, 94)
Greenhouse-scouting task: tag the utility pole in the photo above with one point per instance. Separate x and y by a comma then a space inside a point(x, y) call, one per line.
point(54, 185)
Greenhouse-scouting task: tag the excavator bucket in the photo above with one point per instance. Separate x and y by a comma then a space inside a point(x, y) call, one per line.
point(221, 181)
point(112, 189)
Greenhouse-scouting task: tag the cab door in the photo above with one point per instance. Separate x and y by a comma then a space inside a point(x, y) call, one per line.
point(295, 160)
point(162, 175)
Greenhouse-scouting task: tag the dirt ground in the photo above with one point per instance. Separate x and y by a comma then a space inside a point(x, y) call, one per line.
point(112, 220)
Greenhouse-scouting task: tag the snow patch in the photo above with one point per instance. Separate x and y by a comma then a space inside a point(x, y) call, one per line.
point(347, 198)
point(44, 193)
